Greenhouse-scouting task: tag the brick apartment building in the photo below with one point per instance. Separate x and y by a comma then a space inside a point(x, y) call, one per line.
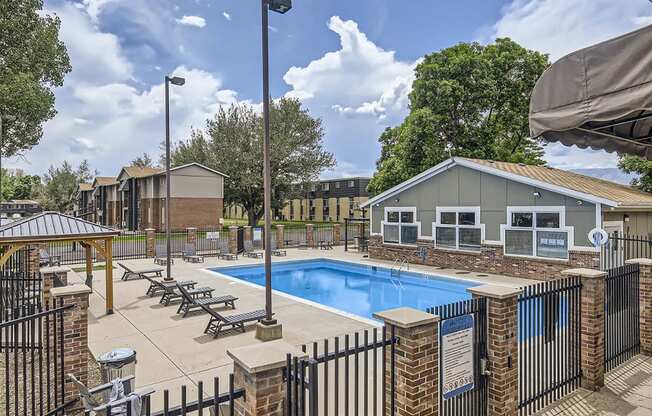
point(135, 199)
point(328, 200)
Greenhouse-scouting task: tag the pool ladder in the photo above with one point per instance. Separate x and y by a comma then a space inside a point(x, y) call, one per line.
point(398, 265)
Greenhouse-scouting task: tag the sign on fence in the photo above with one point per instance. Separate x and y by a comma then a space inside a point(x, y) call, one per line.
point(213, 235)
point(258, 234)
point(457, 355)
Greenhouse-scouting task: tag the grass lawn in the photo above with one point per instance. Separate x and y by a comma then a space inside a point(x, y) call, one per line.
point(231, 221)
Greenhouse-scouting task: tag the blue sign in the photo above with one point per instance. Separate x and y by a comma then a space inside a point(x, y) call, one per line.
point(457, 356)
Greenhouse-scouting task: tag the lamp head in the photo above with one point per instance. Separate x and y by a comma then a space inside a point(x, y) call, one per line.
point(177, 81)
point(280, 6)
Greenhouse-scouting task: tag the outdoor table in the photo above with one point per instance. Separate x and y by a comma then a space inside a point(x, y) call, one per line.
point(288, 242)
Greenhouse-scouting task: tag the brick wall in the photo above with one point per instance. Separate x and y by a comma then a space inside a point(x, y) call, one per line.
point(489, 260)
point(196, 212)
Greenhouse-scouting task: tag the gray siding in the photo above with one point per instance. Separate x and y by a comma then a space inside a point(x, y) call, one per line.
point(461, 186)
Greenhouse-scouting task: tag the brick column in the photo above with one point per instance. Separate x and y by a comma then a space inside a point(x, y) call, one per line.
point(280, 236)
point(310, 238)
point(592, 326)
point(75, 328)
point(645, 300)
point(258, 369)
point(53, 277)
point(151, 242)
point(34, 258)
point(191, 237)
point(233, 239)
point(502, 347)
point(100, 256)
point(337, 234)
point(417, 361)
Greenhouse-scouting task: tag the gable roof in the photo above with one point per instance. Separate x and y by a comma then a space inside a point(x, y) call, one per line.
point(104, 181)
point(85, 187)
point(51, 225)
point(199, 165)
point(138, 171)
point(573, 184)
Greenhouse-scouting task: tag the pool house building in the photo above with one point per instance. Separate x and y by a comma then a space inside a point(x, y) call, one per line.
point(508, 218)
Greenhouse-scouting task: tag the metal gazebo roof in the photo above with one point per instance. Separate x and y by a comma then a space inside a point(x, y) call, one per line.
point(48, 226)
point(599, 97)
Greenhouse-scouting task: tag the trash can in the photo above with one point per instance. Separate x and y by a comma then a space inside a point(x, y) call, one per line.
point(117, 363)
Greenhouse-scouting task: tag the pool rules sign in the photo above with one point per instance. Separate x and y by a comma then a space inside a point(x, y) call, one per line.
point(457, 355)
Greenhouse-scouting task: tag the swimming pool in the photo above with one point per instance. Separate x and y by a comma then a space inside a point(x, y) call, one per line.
point(354, 288)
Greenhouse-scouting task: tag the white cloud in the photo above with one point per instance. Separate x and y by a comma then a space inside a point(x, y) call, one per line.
point(226, 16)
point(196, 21)
point(95, 7)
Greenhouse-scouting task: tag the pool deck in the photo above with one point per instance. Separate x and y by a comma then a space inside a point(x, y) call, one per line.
point(173, 351)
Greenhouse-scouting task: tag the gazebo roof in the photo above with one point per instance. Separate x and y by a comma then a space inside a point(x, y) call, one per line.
point(51, 225)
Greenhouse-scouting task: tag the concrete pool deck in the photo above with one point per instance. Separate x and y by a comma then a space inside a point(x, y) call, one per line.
point(173, 351)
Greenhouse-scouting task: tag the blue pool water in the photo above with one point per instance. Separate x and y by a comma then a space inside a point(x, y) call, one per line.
point(354, 288)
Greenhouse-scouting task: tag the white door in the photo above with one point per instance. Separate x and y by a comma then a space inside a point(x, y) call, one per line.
point(612, 252)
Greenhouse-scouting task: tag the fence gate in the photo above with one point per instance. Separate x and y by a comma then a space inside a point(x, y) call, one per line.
point(32, 363)
point(345, 377)
point(621, 315)
point(472, 402)
point(549, 342)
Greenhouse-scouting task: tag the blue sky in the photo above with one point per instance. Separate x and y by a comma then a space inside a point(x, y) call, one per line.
point(349, 61)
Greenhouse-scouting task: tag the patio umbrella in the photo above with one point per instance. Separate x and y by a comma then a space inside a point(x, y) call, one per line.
point(599, 97)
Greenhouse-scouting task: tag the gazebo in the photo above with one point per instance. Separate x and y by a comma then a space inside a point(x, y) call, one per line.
point(49, 227)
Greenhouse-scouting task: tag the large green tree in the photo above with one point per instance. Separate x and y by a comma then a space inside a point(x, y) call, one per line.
point(232, 143)
point(468, 100)
point(641, 168)
point(32, 62)
point(18, 185)
point(61, 186)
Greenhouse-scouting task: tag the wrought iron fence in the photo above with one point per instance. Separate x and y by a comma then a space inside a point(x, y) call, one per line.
point(69, 252)
point(130, 245)
point(210, 240)
point(32, 362)
point(20, 293)
point(474, 401)
point(621, 318)
point(549, 342)
point(18, 262)
point(620, 248)
point(295, 236)
point(323, 234)
point(350, 379)
point(356, 233)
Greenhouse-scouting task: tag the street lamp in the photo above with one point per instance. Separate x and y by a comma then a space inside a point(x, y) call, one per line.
point(266, 332)
point(179, 82)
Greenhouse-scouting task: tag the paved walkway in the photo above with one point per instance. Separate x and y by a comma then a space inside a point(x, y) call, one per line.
point(628, 392)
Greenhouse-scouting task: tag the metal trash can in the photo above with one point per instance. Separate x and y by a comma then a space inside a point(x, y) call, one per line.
point(117, 363)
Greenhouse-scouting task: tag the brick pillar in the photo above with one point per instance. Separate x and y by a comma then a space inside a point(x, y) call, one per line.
point(53, 277)
point(100, 256)
point(337, 234)
point(151, 242)
point(233, 239)
point(280, 236)
point(191, 237)
point(645, 300)
point(502, 347)
point(310, 240)
point(417, 361)
point(75, 328)
point(592, 326)
point(34, 258)
point(258, 369)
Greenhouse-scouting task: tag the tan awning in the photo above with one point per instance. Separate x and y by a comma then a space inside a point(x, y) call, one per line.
point(599, 97)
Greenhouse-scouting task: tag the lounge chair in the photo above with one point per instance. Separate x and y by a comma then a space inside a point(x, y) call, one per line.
point(45, 259)
point(162, 256)
point(218, 322)
point(325, 245)
point(189, 254)
point(190, 301)
point(156, 286)
point(276, 251)
point(96, 399)
point(140, 273)
point(224, 253)
point(249, 251)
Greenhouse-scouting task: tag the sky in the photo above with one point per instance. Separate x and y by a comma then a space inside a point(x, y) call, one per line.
point(350, 62)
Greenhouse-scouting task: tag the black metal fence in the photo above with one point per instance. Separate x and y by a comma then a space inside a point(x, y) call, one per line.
point(349, 379)
point(549, 342)
point(356, 233)
point(130, 245)
point(32, 362)
point(18, 262)
point(472, 402)
point(20, 293)
point(211, 240)
point(621, 318)
point(620, 248)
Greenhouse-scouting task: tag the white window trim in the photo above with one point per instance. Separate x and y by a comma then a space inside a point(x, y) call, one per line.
point(457, 210)
point(570, 230)
point(413, 210)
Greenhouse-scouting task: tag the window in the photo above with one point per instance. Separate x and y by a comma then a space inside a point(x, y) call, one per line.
point(325, 210)
point(337, 185)
point(458, 228)
point(400, 226)
point(536, 232)
point(351, 184)
point(325, 186)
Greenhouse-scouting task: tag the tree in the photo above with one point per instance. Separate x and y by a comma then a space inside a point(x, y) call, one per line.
point(32, 62)
point(642, 168)
point(144, 161)
point(468, 100)
point(18, 185)
point(61, 186)
point(232, 143)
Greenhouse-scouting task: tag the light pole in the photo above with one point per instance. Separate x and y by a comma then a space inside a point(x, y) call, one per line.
point(279, 6)
point(179, 82)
